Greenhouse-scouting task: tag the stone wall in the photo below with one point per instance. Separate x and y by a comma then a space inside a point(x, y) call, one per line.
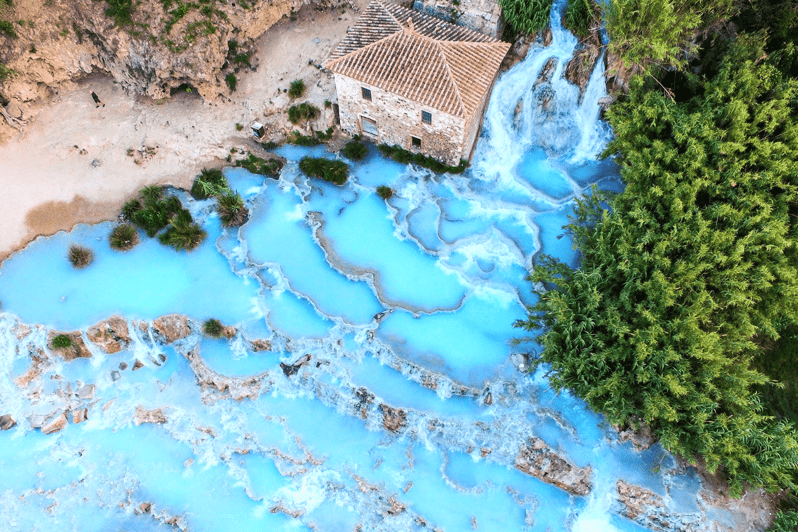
point(484, 16)
point(398, 119)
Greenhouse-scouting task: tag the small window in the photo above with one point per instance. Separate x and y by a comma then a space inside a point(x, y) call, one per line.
point(369, 126)
point(366, 93)
point(415, 141)
point(426, 117)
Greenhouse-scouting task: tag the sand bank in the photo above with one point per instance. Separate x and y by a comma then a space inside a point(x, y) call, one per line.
point(79, 163)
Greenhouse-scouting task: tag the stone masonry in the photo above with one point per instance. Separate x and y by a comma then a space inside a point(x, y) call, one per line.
point(408, 79)
point(398, 119)
point(484, 16)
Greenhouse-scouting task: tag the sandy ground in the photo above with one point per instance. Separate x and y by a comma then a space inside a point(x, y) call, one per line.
point(73, 165)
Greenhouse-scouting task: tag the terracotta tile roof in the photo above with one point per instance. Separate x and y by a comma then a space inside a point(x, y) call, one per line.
point(420, 57)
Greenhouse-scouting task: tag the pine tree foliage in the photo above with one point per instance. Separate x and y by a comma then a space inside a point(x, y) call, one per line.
point(693, 262)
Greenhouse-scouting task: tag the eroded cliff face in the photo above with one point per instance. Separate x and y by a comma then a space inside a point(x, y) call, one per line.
point(160, 46)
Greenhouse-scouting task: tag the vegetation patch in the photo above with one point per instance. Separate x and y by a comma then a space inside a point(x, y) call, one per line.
point(401, 155)
point(62, 341)
point(152, 212)
point(256, 165)
point(329, 170)
point(8, 28)
point(527, 16)
point(121, 11)
point(580, 15)
point(80, 256)
point(303, 111)
point(686, 274)
point(213, 328)
point(295, 137)
point(232, 211)
point(384, 192)
point(355, 150)
point(208, 183)
point(231, 81)
point(183, 233)
point(297, 89)
point(123, 237)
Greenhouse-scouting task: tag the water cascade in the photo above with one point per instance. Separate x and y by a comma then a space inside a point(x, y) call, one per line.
point(368, 380)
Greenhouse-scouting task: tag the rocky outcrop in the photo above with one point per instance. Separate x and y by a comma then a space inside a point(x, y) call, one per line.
point(292, 369)
point(80, 415)
point(393, 419)
point(637, 501)
point(152, 50)
point(260, 344)
point(76, 349)
point(617, 73)
point(7, 422)
point(581, 65)
point(110, 335)
point(54, 423)
point(538, 460)
point(171, 327)
point(155, 416)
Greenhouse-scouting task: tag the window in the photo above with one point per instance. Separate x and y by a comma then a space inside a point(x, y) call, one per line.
point(426, 117)
point(366, 93)
point(369, 126)
point(415, 141)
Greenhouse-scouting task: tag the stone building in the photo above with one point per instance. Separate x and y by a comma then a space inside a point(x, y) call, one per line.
point(484, 16)
point(408, 79)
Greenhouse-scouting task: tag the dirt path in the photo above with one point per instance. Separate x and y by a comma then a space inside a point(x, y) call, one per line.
point(79, 163)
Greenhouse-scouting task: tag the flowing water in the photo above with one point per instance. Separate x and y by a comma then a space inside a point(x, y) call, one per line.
point(413, 408)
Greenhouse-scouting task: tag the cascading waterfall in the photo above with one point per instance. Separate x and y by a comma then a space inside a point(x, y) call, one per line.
point(370, 380)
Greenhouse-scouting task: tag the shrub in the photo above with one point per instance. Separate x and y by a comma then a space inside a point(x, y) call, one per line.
point(8, 28)
point(297, 88)
point(62, 341)
point(208, 183)
point(326, 135)
point(401, 155)
point(256, 165)
point(329, 170)
point(80, 256)
point(231, 209)
point(385, 192)
point(231, 81)
point(302, 140)
point(528, 16)
point(120, 11)
point(355, 150)
point(213, 328)
point(239, 127)
point(130, 208)
point(302, 111)
point(785, 522)
point(183, 233)
point(124, 237)
point(579, 15)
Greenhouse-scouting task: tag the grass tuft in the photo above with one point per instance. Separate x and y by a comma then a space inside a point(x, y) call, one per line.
point(80, 256)
point(213, 328)
point(297, 88)
point(401, 155)
point(232, 211)
point(302, 111)
point(62, 341)
point(355, 150)
point(124, 237)
point(326, 169)
point(384, 192)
